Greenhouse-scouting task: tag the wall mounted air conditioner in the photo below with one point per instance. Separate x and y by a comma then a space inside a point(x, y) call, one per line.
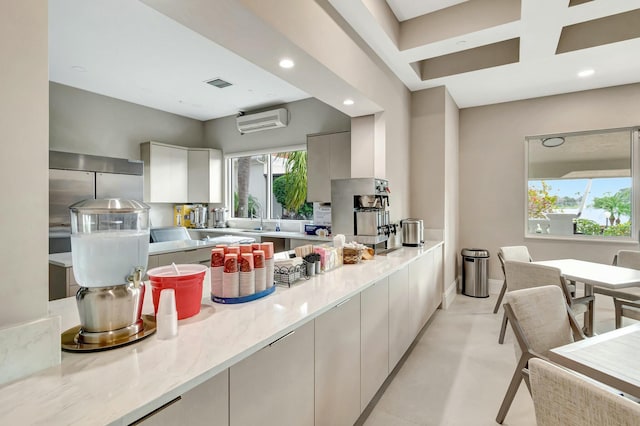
point(273, 119)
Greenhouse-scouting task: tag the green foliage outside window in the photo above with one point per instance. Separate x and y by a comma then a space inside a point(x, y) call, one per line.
point(541, 201)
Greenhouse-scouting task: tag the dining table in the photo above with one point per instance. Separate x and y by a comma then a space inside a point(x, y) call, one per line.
point(593, 274)
point(610, 358)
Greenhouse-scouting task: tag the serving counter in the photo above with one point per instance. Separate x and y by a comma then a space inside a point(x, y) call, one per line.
point(123, 385)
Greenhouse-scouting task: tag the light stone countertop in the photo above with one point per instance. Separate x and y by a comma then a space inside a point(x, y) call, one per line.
point(119, 386)
point(65, 260)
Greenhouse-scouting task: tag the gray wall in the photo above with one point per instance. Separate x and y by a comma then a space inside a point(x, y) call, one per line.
point(307, 116)
point(492, 181)
point(89, 123)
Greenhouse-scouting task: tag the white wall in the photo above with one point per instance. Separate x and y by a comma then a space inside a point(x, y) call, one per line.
point(492, 181)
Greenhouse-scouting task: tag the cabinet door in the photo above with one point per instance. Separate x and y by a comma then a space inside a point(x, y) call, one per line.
point(337, 364)
point(434, 291)
point(275, 385)
point(374, 343)
point(206, 404)
point(400, 336)
point(165, 173)
point(205, 176)
point(418, 279)
point(328, 157)
point(202, 256)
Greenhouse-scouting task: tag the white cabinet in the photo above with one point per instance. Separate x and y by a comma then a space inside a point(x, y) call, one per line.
point(337, 364)
point(419, 277)
point(328, 157)
point(434, 289)
point(165, 172)
point(206, 404)
point(205, 175)
point(201, 256)
point(400, 336)
point(374, 339)
point(275, 385)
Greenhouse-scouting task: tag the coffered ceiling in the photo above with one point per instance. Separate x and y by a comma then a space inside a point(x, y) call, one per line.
point(483, 51)
point(490, 51)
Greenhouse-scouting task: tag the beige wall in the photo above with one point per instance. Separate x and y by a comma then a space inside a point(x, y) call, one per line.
point(24, 120)
point(434, 169)
point(88, 123)
point(492, 181)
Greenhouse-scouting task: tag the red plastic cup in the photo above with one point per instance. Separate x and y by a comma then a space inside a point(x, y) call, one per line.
point(187, 286)
point(268, 249)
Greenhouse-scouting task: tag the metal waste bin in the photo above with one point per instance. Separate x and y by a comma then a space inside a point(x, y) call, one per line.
point(475, 282)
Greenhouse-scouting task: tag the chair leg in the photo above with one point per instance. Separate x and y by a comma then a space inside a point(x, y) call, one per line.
point(503, 290)
point(618, 310)
point(503, 328)
point(588, 319)
point(511, 390)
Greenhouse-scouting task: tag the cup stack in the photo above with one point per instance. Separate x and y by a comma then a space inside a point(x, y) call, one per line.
point(268, 262)
point(217, 269)
point(247, 275)
point(230, 278)
point(260, 271)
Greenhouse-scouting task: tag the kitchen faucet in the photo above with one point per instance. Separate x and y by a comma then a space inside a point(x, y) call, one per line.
point(258, 215)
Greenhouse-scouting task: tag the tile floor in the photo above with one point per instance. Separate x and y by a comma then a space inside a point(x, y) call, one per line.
point(457, 373)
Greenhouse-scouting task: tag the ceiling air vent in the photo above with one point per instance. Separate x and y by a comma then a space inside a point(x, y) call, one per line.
point(274, 119)
point(219, 83)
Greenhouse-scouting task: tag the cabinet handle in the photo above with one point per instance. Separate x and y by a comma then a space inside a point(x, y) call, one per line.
point(282, 338)
point(190, 250)
point(342, 303)
point(156, 411)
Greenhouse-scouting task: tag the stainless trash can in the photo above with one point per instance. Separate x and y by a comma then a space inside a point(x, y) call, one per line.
point(475, 282)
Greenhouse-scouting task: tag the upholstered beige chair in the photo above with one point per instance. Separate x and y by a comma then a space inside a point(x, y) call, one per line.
point(541, 320)
point(520, 275)
point(623, 300)
point(520, 253)
point(561, 397)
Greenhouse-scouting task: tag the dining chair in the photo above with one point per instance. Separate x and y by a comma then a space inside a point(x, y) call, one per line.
point(561, 397)
point(521, 275)
point(520, 253)
point(625, 301)
point(541, 320)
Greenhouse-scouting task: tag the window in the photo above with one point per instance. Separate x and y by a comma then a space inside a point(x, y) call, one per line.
point(581, 185)
point(271, 185)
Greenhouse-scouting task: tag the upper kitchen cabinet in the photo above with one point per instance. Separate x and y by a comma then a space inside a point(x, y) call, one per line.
point(166, 172)
point(205, 175)
point(328, 157)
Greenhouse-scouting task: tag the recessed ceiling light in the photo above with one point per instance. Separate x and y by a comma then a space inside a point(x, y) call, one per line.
point(552, 142)
point(586, 73)
point(79, 68)
point(348, 102)
point(286, 63)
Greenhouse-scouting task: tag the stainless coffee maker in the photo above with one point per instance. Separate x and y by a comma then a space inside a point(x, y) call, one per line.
point(198, 216)
point(109, 250)
point(219, 219)
point(360, 209)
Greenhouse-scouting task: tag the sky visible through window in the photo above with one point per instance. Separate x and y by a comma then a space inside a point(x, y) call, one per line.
point(575, 188)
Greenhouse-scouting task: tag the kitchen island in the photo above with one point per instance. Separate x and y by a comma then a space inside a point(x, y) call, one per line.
point(394, 296)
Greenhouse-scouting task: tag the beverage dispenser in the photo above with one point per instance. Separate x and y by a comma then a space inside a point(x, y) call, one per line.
point(109, 250)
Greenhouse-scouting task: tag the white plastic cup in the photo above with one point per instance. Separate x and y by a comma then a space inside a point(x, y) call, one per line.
point(167, 316)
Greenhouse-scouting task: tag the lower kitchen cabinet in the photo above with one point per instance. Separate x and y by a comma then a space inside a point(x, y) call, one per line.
point(337, 364)
point(201, 256)
point(374, 339)
point(275, 386)
point(419, 278)
point(434, 289)
point(206, 404)
point(400, 336)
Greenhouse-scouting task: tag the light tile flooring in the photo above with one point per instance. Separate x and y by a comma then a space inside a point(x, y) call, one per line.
point(457, 373)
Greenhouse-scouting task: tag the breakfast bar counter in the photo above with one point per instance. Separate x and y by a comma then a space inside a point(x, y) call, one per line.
point(122, 385)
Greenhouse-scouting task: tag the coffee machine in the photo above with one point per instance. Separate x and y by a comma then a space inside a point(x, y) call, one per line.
point(360, 209)
point(109, 250)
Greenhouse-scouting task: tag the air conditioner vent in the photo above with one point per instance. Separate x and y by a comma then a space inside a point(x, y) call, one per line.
point(219, 83)
point(274, 119)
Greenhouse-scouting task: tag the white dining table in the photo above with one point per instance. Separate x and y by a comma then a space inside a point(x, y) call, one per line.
point(610, 358)
point(594, 274)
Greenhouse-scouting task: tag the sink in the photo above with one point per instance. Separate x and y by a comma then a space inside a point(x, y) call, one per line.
point(255, 231)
